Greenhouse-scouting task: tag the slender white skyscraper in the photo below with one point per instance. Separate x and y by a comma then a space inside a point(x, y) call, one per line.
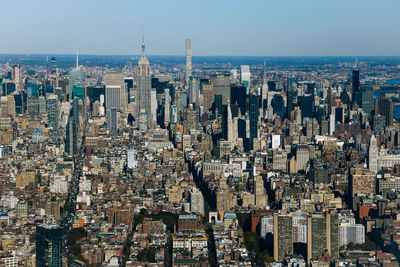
point(188, 59)
point(331, 124)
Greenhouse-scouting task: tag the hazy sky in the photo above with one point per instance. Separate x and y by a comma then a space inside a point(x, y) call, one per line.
point(217, 27)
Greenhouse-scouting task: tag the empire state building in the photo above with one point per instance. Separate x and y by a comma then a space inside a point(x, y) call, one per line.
point(144, 92)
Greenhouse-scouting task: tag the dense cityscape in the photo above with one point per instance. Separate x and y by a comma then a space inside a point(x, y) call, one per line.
point(203, 164)
point(222, 133)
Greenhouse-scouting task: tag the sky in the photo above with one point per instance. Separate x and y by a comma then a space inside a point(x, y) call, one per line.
point(216, 27)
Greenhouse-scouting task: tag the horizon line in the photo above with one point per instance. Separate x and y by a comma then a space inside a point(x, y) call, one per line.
point(175, 55)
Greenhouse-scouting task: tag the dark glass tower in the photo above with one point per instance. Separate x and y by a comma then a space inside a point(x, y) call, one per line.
point(253, 114)
point(49, 246)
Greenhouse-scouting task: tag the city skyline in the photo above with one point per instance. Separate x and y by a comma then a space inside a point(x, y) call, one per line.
point(259, 28)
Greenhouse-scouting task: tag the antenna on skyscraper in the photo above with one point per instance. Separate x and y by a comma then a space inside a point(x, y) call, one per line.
point(356, 64)
point(77, 58)
point(47, 66)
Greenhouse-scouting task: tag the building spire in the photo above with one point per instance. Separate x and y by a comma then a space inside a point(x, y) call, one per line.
point(77, 59)
point(143, 48)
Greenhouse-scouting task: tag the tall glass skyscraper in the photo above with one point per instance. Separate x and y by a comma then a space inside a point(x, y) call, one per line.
point(49, 246)
point(75, 79)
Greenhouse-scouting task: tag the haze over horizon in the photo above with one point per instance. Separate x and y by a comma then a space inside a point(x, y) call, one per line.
point(217, 28)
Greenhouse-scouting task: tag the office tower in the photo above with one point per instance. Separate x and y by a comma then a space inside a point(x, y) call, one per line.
point(196, 201)
point(373, 155)
point(238, 98)
point(378, 124)
point(11, 106)
point(283, 236)
point(253, 114)
point(264, 89)
point(112, 123)
point(174, 114)
point(208, 96)
point(302, 157)
point(307, 106)
point(367, 102)
point(69, 139)
point(52, 111)
point(113, 97)
point(115, 79)
point(332, 124)
point(290, 103)
point(261, 199)
point(322, 235)
point(153, 110)
point(144, 92)
point(32, 88)
point(188, 74)
point(8, 87)
point(3, 107)
point(131, 158)
point(48, 87)
point(362, 181)
point(75, 78)
point(53, 63)
point(232, 132)
point(194, 90)
point(355, 83)
point(234, 76)
point(17, 77)
point(339, 115)
point(79, 92)
point(245, 76)
point(33, 105)
point(167, 106)
point(278, 105)
point(384, 107)
point(222, 86)
point(49, 245)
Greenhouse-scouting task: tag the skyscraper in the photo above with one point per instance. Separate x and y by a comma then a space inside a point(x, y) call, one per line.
point(194, 90)
point(53, 63)
point(188, 74)
point(49, 245)
point(373, 155)
point(112, 121)
point(167, 107)
point(384, 107)
point(355, 83)
point(75, 79)
point(253, 114)
point(17, 77)
point(245, 76)
point(115, 78)
point(322, 235)
point(283, 236)
point(222, 86)
point(144, 92)
point(52, 111)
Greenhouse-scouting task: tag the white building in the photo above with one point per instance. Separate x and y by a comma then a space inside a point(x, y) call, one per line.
point(350, 232)
point(267, 225)
point(373, 155)
point(59, 184)
point(275, 141)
